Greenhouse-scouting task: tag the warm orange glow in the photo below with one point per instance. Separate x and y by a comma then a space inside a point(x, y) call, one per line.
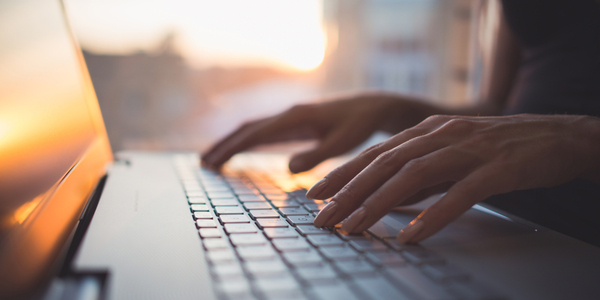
point(25, 210)
point(286, 34)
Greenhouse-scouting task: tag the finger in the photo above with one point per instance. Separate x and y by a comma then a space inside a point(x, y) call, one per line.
point(474, 188)
point(337, 142)
point(427, 192)
point(352, 195)
point(338, 178)
point(435, 168)
point(214, 154)
point(259, 132)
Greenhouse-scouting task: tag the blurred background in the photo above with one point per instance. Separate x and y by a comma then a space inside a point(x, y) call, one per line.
point(179, 74)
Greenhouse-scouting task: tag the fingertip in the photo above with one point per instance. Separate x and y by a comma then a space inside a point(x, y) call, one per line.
point(410, 233)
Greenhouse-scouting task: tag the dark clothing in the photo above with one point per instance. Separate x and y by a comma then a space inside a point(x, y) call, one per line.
point(559, 74)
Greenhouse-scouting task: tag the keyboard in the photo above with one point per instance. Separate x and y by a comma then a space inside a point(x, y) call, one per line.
point(260, 243)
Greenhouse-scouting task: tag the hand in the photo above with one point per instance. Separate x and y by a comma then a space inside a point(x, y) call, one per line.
point(339, 126)
point(472, 157)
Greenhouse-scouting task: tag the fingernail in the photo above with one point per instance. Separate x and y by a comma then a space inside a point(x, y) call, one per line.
point(317, 189)
point(325, 214)
point(410, 231)
point(296, 165)
point(355, 219)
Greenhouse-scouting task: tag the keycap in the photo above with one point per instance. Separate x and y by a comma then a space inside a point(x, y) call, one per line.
point(355, 267)
point(217, 188)
point(378, 288)
point(383, 230)
point(277, 233)
point(228, 210)
point(243, 190)
point(314, 207)
point(338, 291)
point(412, 279)
point(248, 239)
point(251, 198)
point(285, 204)
point(421, 256)
point(284, 245)
point(310, 229)
point(217, 195)
point(234, 219)
point(227, 270)
point(256, 252)
point(210, 233)
point(202, 215)
point(266, 267)
point(206, 223)
point(220, 256)
point(395, 244)
point(444, 272)
point(294, 211)
point(272, 223)
point(224, 202)
point(214, 244)
point(301, 220)
point(197, 200)
point(257, 205)
point(283, 283)
point(339, 253)
point(278, 197)
point(240, 228)
point(385, 258)
point(325, 240)
point(195, 194)
point(234, 289)
point(267, 213)
point(316, 273)
point(303, 258)
point(351, 236)
point(199, 207)
point(368, 245)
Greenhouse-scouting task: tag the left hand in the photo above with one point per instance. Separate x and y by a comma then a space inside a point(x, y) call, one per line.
point(472, 157)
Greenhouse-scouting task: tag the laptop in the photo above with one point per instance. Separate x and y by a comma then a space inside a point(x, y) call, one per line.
point(78, 223)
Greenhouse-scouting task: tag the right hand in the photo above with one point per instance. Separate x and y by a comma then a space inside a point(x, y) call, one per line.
point(339, 125)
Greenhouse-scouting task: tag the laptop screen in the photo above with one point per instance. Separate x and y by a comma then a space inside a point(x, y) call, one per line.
point(50, 130)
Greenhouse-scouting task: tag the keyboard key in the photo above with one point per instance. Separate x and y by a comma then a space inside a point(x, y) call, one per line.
point(248, 239)
point(224, 202)
point(284, 245)
point(385, 258)
point(210, 233)
point(368, 245)
point(227, 270)
point(216, 188)
point(412, 279)
point(256, 252)
point(199, 207)
point(301, 220)
point(242, 190)
point(202, 215)
point(251, 198)
point(303, 258)
point(221, 256)
point(351, 236)
point(267, 213)
point(235, 289)
point(395, 244)
point(215, 244)
point(315, 207)
point(355, 267)
point(310, 229)
point(217, 195)
point(277, 233)
point(285, 204)
point(272, 223)
point(266, 267)
point(278, 197)
point(316, 273)
point(206, 223)
point(257, 205)
point(228, 210)
point(325, 240)
point(294, 211)
point(338, 291)
point(197, 200)
point(234, 219)
point(339, 253)
point(382, 230)
point(285, 283)
point(195, 194)
point(378, 288)
point(240, 228)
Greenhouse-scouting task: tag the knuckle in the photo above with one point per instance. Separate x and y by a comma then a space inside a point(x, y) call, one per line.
point(385, 159)
point(371, 153)
point(300, 110)
point(459, 125)
point(416, 169)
